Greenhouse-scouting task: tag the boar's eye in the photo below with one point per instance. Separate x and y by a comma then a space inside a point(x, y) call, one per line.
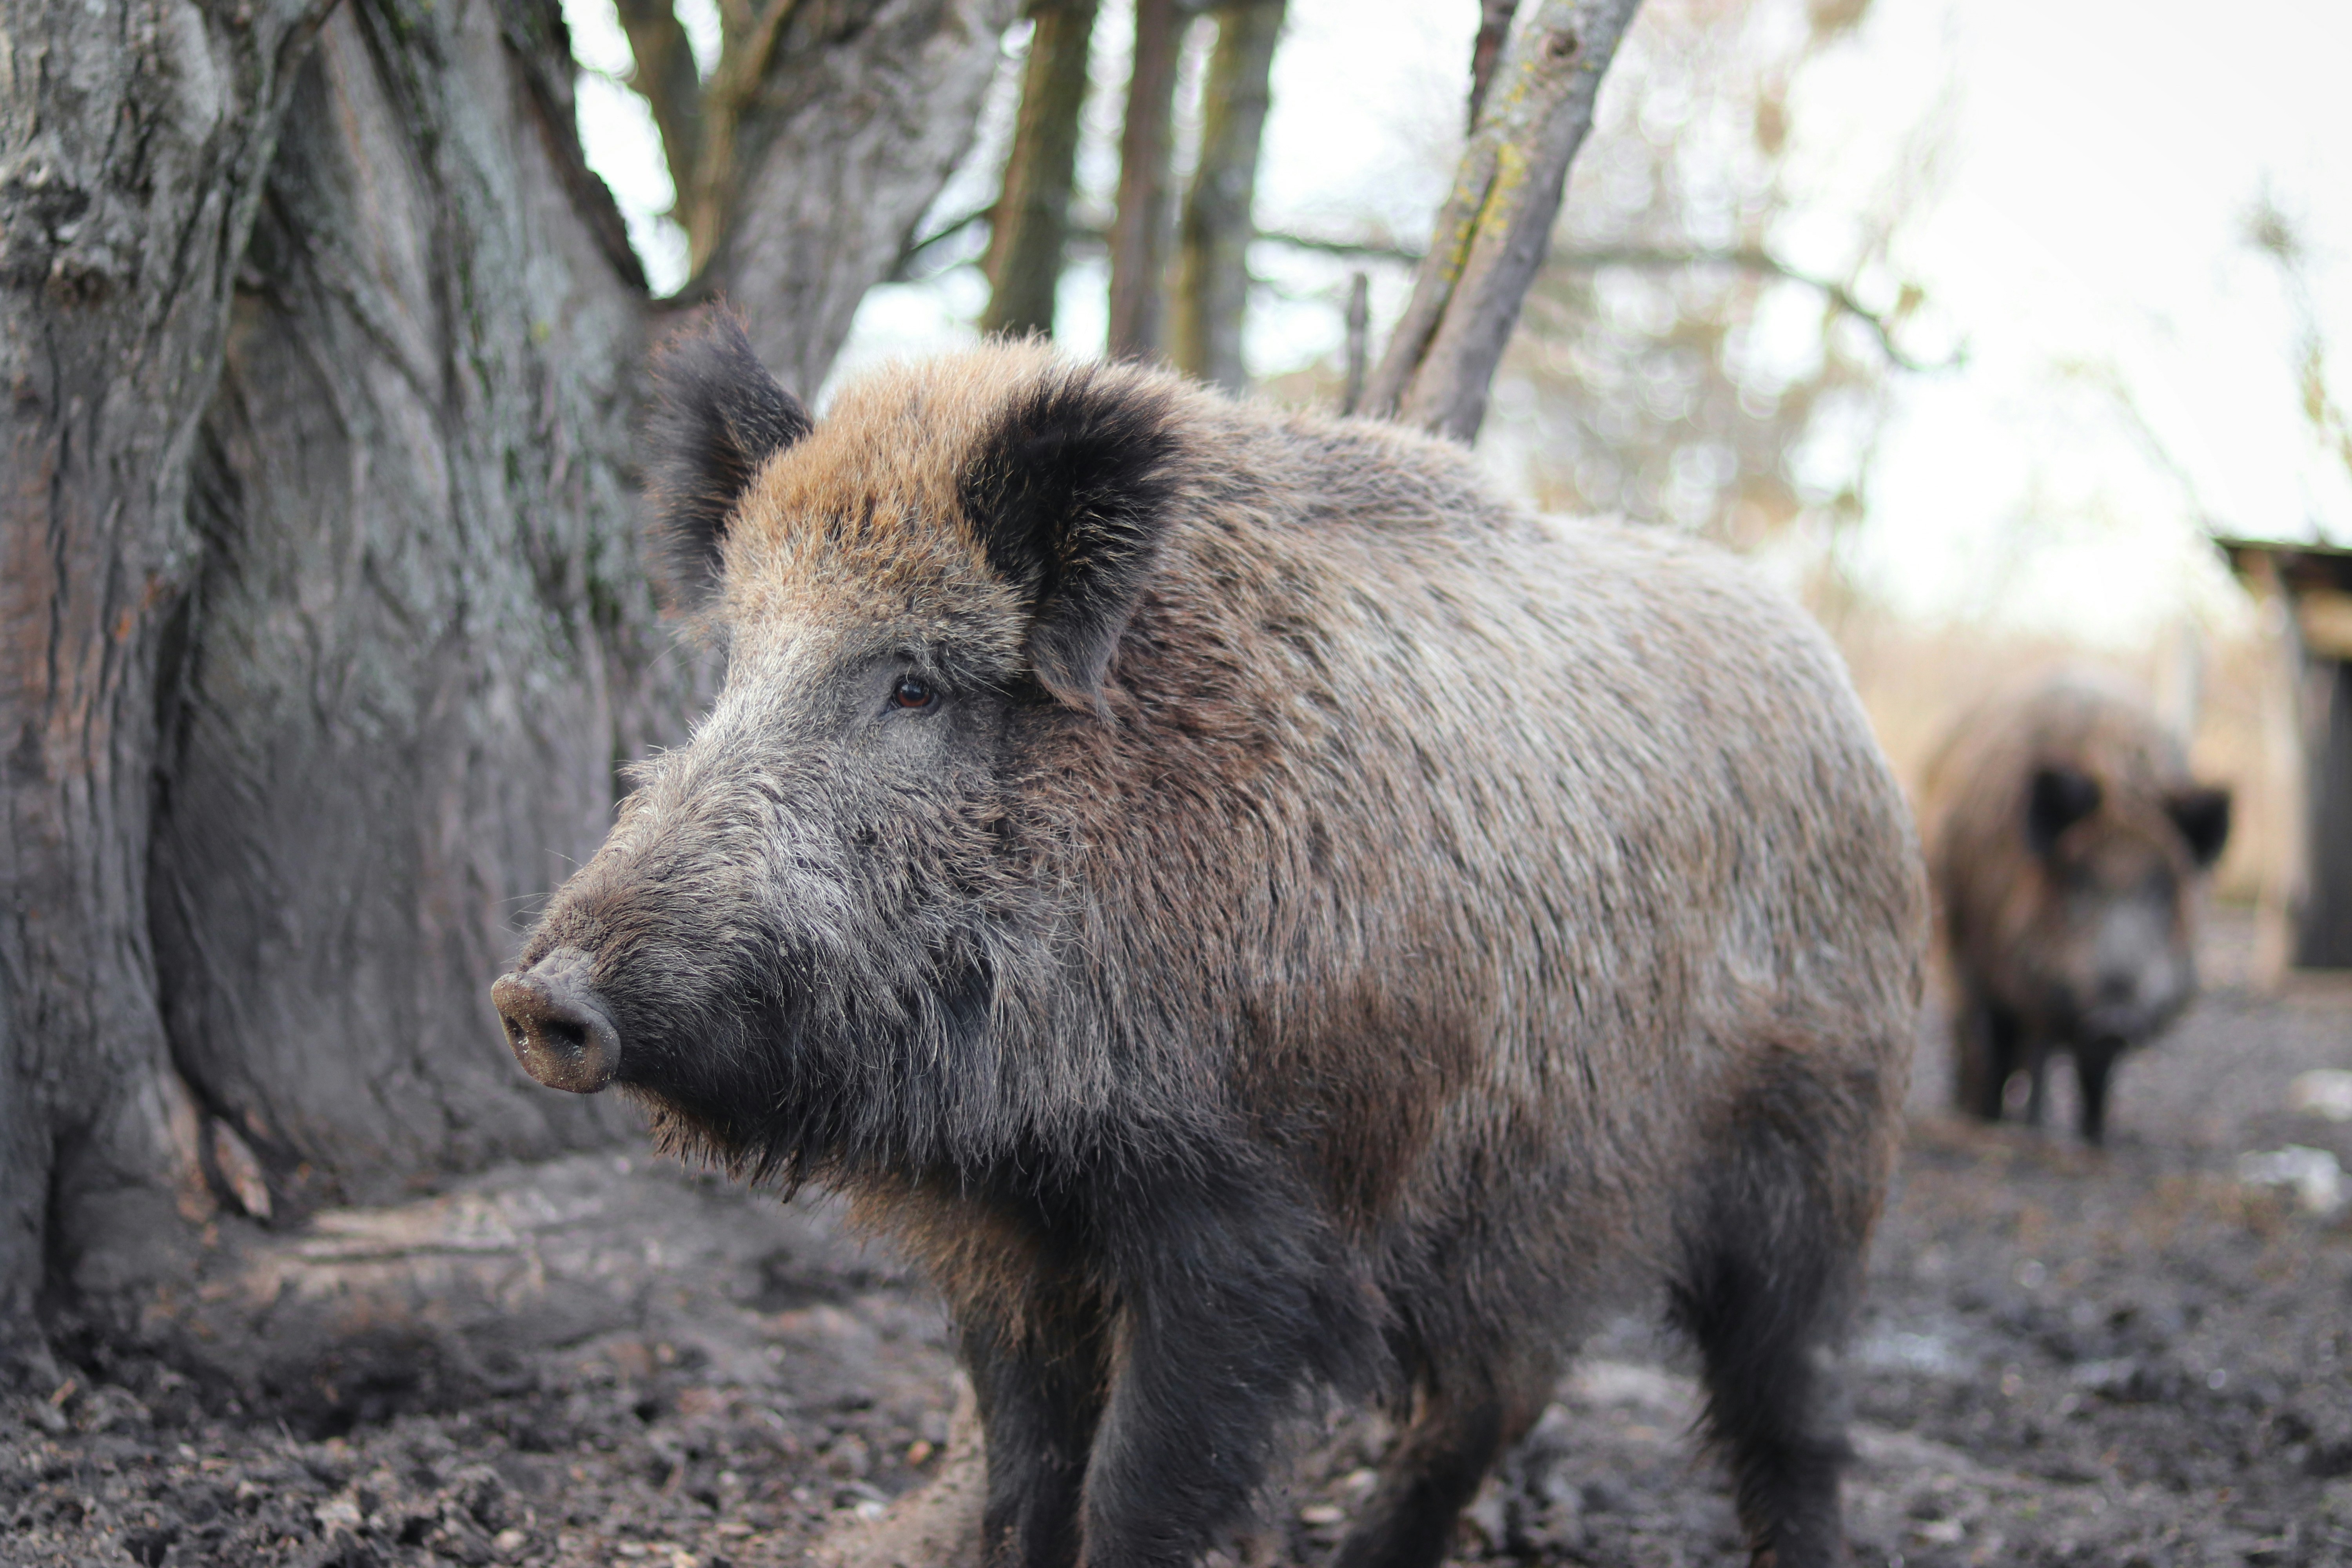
point(913, 691)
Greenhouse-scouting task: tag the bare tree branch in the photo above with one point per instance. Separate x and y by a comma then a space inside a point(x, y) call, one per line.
point(1882, 326)
point(2272, 232)
point(1213, 252)
point(668, 80)
point(1025, 245)
point(842, 138)
point(1750, 260)
point(1139, 231)
point(705, 205)
point(1496, 227)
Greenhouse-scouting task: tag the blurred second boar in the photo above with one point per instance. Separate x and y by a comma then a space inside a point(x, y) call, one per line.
point(2068, 846)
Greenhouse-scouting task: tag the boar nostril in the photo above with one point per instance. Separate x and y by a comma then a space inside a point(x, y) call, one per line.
point(556, 1024)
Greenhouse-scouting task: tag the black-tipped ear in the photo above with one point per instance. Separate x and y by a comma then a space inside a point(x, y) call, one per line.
point(720, 415)
point(1068, 494)
point(2202, 814)
point(2060, 797)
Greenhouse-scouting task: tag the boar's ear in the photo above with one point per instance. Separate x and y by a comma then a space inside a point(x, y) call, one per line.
point(720, 415)
point(2202, 814)
point(1067, 494)
point(2059, 798)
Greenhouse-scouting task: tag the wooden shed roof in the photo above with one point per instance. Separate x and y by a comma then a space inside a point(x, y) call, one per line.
point(2301, 566)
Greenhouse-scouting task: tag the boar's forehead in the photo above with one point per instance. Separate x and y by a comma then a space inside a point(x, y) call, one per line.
point(833, 575)
point(861, 525)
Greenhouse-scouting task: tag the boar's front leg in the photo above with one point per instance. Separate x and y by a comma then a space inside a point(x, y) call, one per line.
point(1233, 1302)
point(2037, 1069)
point(1039, 1387)
point(2092, 1063)
point(1984, 1054)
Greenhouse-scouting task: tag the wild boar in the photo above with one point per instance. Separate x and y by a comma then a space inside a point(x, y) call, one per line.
point(2068, 846)
point(1258, 919)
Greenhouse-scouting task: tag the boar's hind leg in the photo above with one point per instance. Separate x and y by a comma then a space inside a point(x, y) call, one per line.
point(1040, 1396)
point(1771, 1268)
point(1436, 1465)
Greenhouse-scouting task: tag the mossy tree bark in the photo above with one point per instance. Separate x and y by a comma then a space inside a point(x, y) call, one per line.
point(1213, 242)
point(1031, 226)
point(322, 631)
point(1142, 226)
point(1496, 227)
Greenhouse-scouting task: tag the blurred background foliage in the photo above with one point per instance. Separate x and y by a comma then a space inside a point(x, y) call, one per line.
point(1828, 286)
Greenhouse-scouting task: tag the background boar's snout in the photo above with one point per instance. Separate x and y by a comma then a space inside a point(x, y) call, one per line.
point(557, 1024)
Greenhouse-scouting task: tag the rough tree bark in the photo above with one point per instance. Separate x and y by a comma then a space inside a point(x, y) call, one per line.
point(1212, 243)
point(1140, 230)
point(416, 643)
point(864, 110)
point(321, 630)
point(1031, 229)
point(1493, 232)
point(134, 139)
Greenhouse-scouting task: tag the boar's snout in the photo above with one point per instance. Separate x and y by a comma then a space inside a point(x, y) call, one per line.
point(557, 1024)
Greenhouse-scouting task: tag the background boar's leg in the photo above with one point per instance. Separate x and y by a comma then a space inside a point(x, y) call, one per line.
point(2037, 1068)
point(1436, 1469)
point(2092, 1063)
point(1985, 1053)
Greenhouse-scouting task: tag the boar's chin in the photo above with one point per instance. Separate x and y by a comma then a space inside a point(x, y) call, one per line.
point(684, 1135)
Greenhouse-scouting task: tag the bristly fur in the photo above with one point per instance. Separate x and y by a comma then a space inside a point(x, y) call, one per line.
point(720, 416)
point(1068, 494)
point(1256, 917)
point(2067, 843)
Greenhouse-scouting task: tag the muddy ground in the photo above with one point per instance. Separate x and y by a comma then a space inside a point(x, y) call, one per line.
point(2116, 1358)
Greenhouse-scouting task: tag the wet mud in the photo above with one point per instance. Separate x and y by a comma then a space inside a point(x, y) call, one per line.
point(2127, 1356)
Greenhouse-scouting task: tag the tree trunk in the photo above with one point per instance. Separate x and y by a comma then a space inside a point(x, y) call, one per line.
point(1033, 212)
point(322, 632)
point(134, 137)
point(865, 109)
point(418, 642)
point(1212, 257)
point(670, 82)
point(1496, 227)
point(1140, 230)
point(1360, 329)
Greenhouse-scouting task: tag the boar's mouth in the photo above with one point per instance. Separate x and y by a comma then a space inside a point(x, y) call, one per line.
point(557, 1024)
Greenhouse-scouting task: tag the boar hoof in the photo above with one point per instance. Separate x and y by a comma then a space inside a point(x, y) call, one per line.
point(556, 1023)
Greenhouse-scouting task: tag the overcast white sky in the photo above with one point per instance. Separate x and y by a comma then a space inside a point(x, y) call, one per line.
point(2086, 232)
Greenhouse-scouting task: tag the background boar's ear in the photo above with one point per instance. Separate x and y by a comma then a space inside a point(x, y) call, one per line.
point(2202, 814)
point(1068, 494)
point(720, 415)
point(2060, 797)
